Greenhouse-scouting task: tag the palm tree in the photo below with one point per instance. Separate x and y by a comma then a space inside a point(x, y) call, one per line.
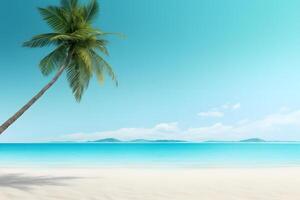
point(77, 47)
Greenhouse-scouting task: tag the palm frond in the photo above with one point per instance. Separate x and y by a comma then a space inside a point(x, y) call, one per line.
point(101, 46)
point(55, 17)
point(53, 61)
point(74, 81)
point(82, 33)
point(78, 77)
point(84, 56)
point(91, 10)
point(101, 65)
point(41, 40)
point(99, 75)
point(101, 34)
point(50, 39)
point(69, 4)
point(64, 37)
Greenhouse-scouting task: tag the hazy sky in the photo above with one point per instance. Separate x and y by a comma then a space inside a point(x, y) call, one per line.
point(188, 69)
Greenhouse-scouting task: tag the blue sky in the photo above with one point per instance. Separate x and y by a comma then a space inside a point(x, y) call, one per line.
point(193, 69)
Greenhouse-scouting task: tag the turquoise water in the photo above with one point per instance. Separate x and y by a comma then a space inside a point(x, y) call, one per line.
point(151, 155)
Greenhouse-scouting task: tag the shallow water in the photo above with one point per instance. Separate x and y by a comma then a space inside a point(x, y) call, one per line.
point(151, 154)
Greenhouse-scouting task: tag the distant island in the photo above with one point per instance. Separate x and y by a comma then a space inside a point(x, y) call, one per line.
point(245, 140)
point(114, 140)
point(253, 140)
point(108, 140)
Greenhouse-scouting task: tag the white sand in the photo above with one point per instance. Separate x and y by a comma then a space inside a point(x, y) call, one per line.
point(150, 184)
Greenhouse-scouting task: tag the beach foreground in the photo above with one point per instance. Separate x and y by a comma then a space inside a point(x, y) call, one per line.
point(150, 184)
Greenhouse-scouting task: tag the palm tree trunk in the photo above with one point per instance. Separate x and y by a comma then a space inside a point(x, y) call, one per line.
point(18, 114)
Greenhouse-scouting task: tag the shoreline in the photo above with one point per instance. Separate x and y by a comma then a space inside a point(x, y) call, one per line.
point(147, 167)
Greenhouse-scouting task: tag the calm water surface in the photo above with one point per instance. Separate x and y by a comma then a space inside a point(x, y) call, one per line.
point(151, 155)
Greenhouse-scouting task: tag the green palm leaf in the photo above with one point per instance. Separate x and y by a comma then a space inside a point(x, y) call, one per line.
point(41, 40)
point(78, 77)
point(55, 17)
point(91, 10)
point(74, 81)
point(53, 61)
point(49, 39)
point(101, 45)
point(69, 4)
point(84, 57)
point(101, 66)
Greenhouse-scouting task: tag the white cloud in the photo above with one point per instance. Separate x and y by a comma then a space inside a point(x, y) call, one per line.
point(211, 114)
point(167, 127)
point(159, 131)
point(213, 132)
point(274, 121)
point(216, 128)
point(276, 126)
point(236, 106)
point(219, 111)
point(272, 127)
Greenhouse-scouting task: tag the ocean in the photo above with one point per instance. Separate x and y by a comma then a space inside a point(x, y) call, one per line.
point(150, 155)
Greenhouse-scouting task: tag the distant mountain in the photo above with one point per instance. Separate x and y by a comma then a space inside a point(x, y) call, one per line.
point(108, 140)
point(113, 140)
point(246, 140)
point(140, 141)
point(168, 141)
point(253, 140)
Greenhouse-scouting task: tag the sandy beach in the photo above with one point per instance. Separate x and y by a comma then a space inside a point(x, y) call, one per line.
point(150, 184)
